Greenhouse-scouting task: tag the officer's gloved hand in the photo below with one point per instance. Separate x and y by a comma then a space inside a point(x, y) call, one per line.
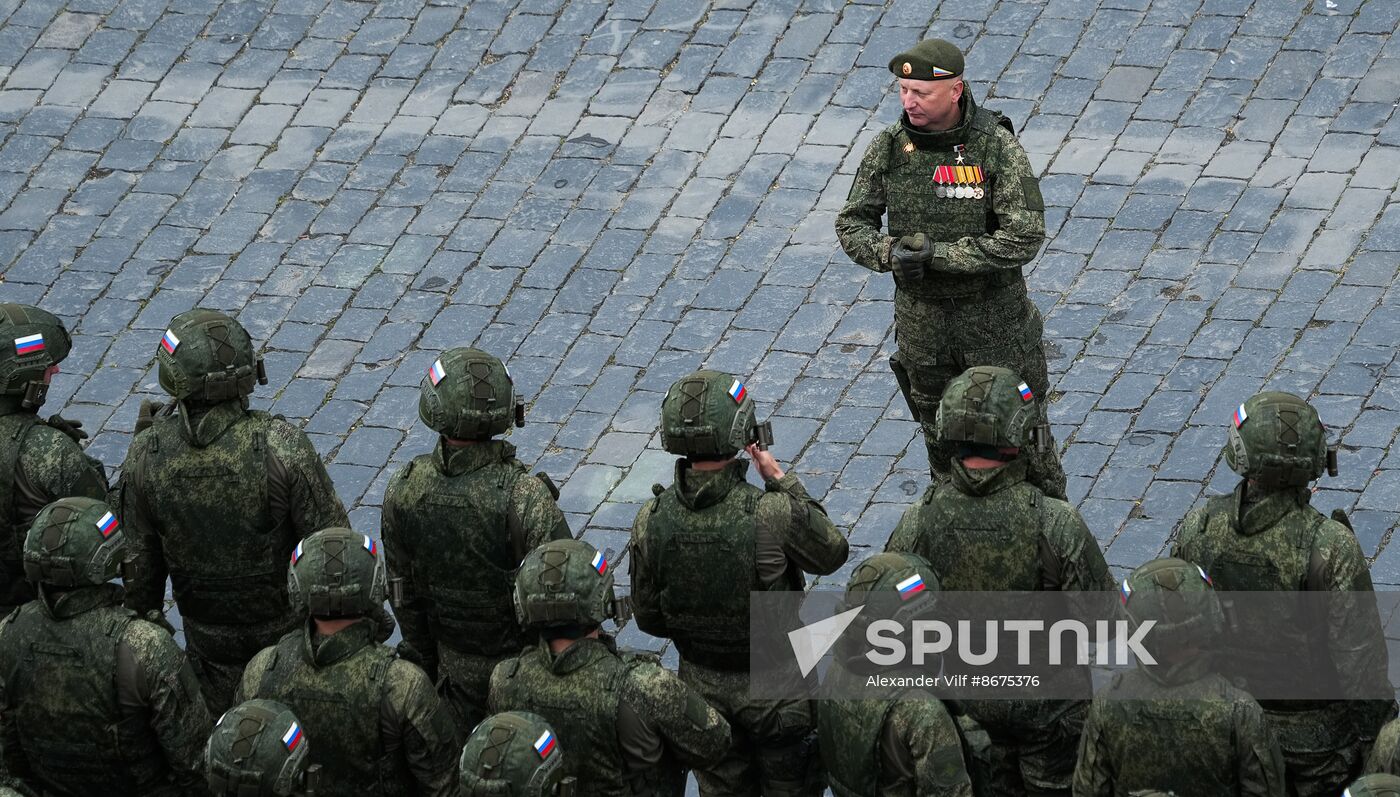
point(910, 256)
point(74, 429)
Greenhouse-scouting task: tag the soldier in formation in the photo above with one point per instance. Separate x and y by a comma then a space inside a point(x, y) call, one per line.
point(258, 749)
point(631, 727)
point(93, 700)
point(215, 496)
point(514, 754)
point(700, 547)
point(456, 524)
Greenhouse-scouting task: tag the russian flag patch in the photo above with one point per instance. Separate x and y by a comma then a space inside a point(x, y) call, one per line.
point(371, 545)
point(29, 344)
point(545, 744)
point(169, 342)
point(737, 391)
point(292, 737)
point(1025, 390)
point(1240, 416)
point(437, 372)
point(600, 563)
point(910, 586)
point(1126, 592)
point(107, 524)
point(939, 71)
point(296, 553)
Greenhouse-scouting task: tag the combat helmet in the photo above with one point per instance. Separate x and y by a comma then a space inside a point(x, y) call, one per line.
point(1375, 785)
point(898, 586)
point(563, 584)
point(74, 542)
point(257, 748)
point(337, 573)
point(1278, 440)
point(707, 415)
point(469, 395)
point(992, 407)
point(1179, 597)
point(208, 357)
point(34, 341)
point(512, 754)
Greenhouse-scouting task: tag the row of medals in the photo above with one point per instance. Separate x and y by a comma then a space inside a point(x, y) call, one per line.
point(959, 181)
point(958, 191)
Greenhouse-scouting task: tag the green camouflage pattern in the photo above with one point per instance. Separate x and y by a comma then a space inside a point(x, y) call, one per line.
point(1277, 440)
point(44, 465)
point(1375, 785)
point(1385, 754)
point(217, 504)
point(95, 701)
point(971, 307)
point(22, 375)
point(564, 584)
point(472, 398)
point(213, 359)
point(1196, 733)
point(377, 725)
point(456, 524)
point(337, 573)
point(984, 404)
point(700, 417)
point(583, 691)
point(502, 758)
point(1178, 598)
point(247, 756)
point(67, 546)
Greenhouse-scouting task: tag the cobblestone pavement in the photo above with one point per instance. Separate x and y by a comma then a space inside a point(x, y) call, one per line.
point(611, 195)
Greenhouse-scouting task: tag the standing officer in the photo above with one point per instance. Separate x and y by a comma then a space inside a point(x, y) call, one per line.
point(92, 699)
point(698, 549)
point(1266, 537)
point(964, 215)
point(215, 496)
point(40, 461)
point(456, 524)
point(377, 724)
point(988, 529)
point(630, 726)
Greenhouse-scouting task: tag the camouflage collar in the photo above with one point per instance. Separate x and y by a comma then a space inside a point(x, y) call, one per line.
point(456, 460)
point(698, 489)
point(202, 425)
point(582, 653)
point(1262, 510)
point(71, 603)
point(323, 651)
point(943, 139)
point(991, 480)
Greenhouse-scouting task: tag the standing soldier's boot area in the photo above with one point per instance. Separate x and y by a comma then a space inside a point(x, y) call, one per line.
point(964, 215)
point(628, 726)
point(215, 496)
point(42, 460)
point(700, 547)
point(1265, 536)
point(93, 700)
point(1177, 724)
point(988, 529)
point(909, 747)
point(376, 725)
point(258, 749)
point(457, 523)
point(514, 754)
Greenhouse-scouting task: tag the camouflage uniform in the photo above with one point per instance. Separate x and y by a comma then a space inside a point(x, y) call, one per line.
point(1377, 785)
point(909, 747)
point(92, 699)
point(991, 530)
point(698, 549)
point(377, 725)
point(1176, 724)
point(1385, 754)
point(1265, 536)
point(629, 725)
point(215, 496)
point(970, 307)
point(41, 460)
point(456, 523)
point(258, 749)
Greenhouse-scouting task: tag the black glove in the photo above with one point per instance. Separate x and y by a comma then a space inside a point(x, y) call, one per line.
point(147, 414)
point(73, 429)
point(910, 256)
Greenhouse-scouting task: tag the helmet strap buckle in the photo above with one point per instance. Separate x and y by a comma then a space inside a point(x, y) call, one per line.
point(34, 394)
point(262, 372)
point(519, 413)
point(1332, 460)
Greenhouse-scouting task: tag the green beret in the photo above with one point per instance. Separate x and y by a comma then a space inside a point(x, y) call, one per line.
point(931, 59)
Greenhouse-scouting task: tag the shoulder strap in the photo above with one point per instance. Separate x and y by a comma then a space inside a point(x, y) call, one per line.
point(514, 524)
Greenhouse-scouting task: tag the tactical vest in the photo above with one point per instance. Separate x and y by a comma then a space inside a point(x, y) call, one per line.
point(706, 566)
point(913, 207)
point(850, 732)
point(338, 707)
point(1274, 560)
point(14, 428)
point(227, 555)
point(466, 541)
point(581, 706)
point(60, 678)
point(982, 543)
